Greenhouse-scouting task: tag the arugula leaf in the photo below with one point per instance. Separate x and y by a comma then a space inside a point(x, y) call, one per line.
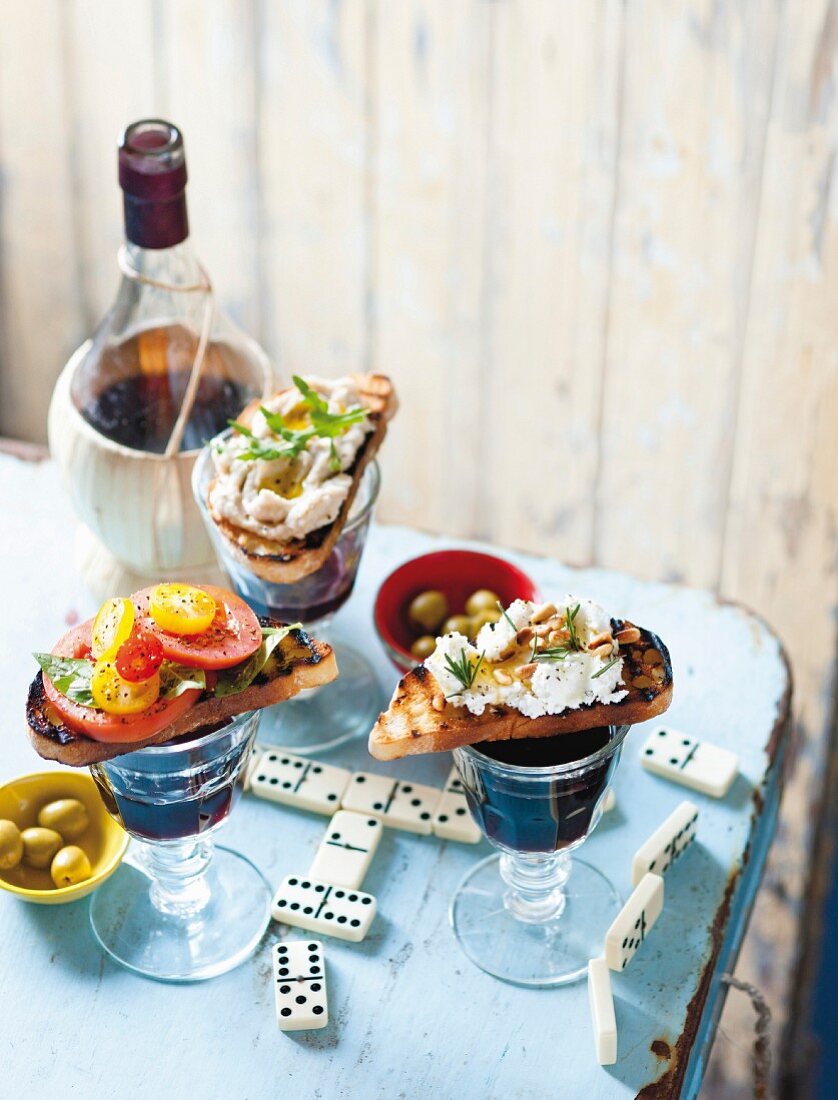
point(326, 424)
point(258, 448)
point(69, 675)
point(176, 679)
point(234, 680)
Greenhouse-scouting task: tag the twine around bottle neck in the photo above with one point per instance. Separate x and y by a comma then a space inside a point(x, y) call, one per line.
point(204, 287)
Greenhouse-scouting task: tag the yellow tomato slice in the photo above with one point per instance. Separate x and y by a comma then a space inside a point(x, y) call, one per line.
point(114, 695)
point(112, 627)
point(181, 609)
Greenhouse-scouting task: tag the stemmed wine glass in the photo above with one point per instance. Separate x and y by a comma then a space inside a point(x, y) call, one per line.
point(530, 915)
point(324, 717)
point(178, 908)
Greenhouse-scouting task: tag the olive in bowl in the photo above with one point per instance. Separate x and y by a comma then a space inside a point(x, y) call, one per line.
point(460, 576)
point(72, 800)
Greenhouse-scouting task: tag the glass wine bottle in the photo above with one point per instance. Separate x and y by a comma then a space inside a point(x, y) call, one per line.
point(166, 369)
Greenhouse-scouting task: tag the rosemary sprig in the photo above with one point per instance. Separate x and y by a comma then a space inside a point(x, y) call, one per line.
point(503, 612)
point(461, 669)
point(574, 642)
point(605, 668)
point(554, 653)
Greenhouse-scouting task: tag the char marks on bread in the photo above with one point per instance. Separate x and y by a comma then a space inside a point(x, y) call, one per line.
point(307, 663)
point(418, 721)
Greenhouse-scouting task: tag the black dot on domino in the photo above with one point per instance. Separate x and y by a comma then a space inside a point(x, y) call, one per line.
point(353, 897)
point(261, 778)
point(308, 910)
point(273, 781)
point(673, 760)
point(284, 760)
point(298, 763)
point(282, 903)
point(460, 811)
point(364, 901)
point(317, 769)
point(372, 822)
point(443, 818)
point(312, 947)
point(285, 989)
point(407, 789)
point(285, 1012)
point(315, 988)
point(295, 905)
point(287, 784)
point(340, 893)
point(335, 836)
point(425, 816)
point(341, 919)
point(355, 923)
point(360, 778)
point(283, 970)
point(331, 798)
point(300, 1000)
point(272, 756)
point(416, 802)
point(318, 1009)
point(293, 881)
point(377, 805)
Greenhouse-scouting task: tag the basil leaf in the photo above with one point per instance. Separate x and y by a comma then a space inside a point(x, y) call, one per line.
point(69, 675)
point(234, 680)
point(176, 679)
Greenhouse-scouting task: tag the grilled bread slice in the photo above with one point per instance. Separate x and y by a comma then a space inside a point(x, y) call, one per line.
point(420, 720)
point(298, 662)
point(284, 563)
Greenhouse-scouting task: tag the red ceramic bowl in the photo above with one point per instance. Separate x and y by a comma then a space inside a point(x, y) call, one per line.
point(456, 573)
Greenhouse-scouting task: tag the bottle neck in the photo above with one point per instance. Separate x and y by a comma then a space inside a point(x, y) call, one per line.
point(177, 266)
point(156, 223)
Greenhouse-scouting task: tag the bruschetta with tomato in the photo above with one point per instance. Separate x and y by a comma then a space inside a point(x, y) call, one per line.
point(165, 662)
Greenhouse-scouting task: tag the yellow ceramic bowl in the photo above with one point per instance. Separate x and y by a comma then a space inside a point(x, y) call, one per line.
point(103, 840)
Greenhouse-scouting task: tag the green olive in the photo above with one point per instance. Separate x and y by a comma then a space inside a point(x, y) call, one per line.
point(423, 647)
point(482, 600)
point(427, 610)
point(66, 815)
point(39, 846)
point(70, 866)
point(477, 622)
point(11, 845)
point(458, 623)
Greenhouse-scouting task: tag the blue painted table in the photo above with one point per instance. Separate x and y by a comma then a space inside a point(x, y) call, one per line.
point(410, 1016)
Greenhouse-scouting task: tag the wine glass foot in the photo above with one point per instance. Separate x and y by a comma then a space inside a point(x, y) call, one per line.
point(553, 953)
point(183, 947)
point(328, 716)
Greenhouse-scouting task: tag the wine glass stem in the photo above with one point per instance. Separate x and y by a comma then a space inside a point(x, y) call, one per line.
point(178, 874)
point(536, 884)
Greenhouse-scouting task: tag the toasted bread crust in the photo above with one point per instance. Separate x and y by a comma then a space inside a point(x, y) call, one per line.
point(411, 725)
point(284, 563)
point(310, 663)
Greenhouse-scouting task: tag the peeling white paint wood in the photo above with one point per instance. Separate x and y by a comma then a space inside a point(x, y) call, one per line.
point(779, 552)
point(110, 81)
point(693, 121)
point(409, 1015)
point(312, 59)
point(431, 93)
point(208, 85)
point(555, 132)
point(40, 316)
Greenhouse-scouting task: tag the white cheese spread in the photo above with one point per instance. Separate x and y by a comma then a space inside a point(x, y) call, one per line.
point(541, 667)
point(287, 498)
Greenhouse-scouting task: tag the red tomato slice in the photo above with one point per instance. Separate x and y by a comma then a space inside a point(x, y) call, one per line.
point(96, 724)
point(234, 636)
point(140, 657)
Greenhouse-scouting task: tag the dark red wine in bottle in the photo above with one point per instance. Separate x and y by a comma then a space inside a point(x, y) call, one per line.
point(134, 381)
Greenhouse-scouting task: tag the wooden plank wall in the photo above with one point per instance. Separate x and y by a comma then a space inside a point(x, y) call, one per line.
point(595, 244)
